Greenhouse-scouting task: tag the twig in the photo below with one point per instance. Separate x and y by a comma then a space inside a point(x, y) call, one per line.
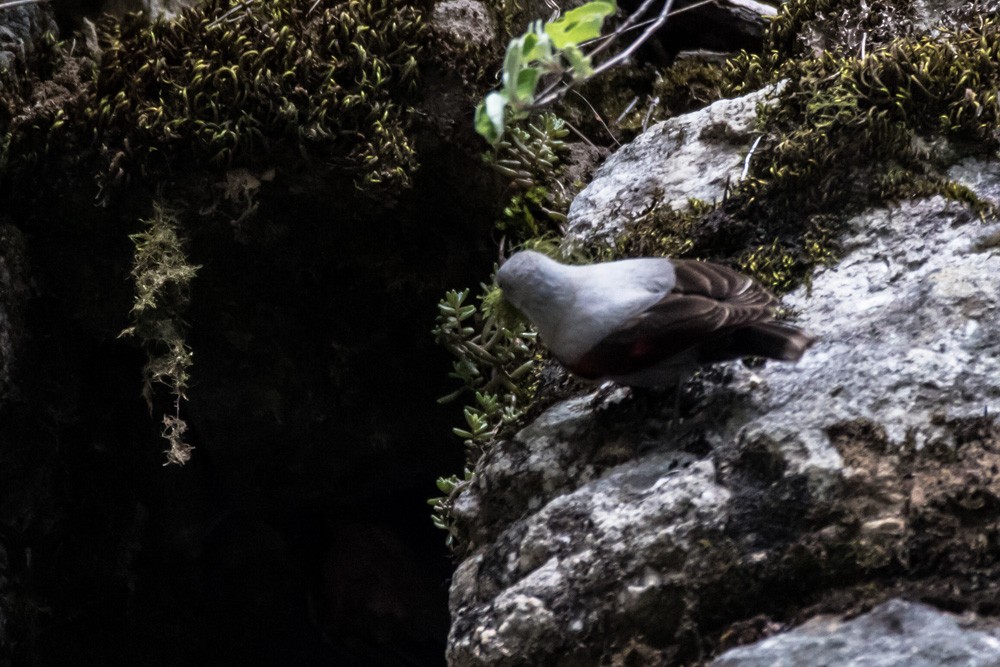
point(647, 33)
point(649, 112)
point(553, 92)
point(599, 119)
point(314, 6)
point(630, 106)
point(624, 27)
point(552, 88)
point(579, 133)
point(621, 30)
point(746, 163)
point(231, 10)
point(18, 3)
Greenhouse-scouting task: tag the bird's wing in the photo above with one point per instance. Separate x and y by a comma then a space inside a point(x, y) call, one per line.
point(707, 302)
point(720, 283)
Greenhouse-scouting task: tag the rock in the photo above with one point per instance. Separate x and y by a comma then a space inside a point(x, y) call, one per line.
point(152, 8)
point(22, 31)
point(906, 322)
point(598, 556)
point(725, 25)
point(896, 634)
point(464, 22)
point(600, 519)
point(980, 176)
point(694, 156)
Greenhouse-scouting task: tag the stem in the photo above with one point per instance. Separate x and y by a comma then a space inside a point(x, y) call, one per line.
point(18, 3)
point(553, 92)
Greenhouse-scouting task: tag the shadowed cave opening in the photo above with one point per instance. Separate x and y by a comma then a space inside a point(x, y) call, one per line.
point(299, 531)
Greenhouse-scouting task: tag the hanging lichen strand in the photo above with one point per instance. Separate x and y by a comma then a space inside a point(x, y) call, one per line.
point(247, 83)
point(163, 275)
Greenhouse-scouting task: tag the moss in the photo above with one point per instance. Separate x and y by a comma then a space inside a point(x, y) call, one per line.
point(278, 83)
point(686, 86)
point(844, 134)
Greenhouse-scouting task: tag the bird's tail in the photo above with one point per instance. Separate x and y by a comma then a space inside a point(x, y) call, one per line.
point(773, 340)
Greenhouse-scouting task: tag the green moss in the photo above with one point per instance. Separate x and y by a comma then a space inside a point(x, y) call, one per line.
point(685, 86)
point(226, 83)
point(844, 134)
point(257, 84)
point(664, 231)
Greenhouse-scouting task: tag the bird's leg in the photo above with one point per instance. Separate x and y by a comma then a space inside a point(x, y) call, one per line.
point(676, 416)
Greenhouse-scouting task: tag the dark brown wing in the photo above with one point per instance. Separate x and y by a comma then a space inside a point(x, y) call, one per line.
point(702, 318)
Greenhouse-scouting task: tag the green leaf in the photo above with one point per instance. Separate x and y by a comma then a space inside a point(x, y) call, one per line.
point(578, 25)
point(526, 83)
point(536, 46)
point(513, 63)
point(579, 61)
point(490, 116)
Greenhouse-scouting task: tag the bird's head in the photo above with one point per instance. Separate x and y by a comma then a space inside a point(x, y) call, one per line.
point(531, 282)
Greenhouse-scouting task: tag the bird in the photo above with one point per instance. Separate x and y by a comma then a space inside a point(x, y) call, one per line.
point(649, 321)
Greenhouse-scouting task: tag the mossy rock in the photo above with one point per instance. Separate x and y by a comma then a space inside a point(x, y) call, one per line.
point(306, 87)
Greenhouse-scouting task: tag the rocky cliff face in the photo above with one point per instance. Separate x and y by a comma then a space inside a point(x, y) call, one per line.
point(604, 533)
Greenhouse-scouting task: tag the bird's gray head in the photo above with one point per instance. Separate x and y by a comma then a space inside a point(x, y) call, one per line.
point(533, 283)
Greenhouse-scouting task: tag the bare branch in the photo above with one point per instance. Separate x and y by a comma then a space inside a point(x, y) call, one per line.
point(18, 3)
point(557, 89)
point(599, 119)
point(746, 163)
point(647, 33)
point(625, 27)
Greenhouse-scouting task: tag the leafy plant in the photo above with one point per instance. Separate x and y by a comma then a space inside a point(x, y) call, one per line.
point(495, 356)
point(546, 48)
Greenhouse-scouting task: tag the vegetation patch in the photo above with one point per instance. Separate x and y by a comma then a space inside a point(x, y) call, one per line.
point(846, 132)
point(233, 83)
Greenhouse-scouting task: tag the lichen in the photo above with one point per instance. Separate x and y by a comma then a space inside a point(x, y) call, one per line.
point(163, 273)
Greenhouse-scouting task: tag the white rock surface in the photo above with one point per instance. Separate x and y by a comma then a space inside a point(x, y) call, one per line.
point(907, 322)
point(693, 156)
point(895, 634)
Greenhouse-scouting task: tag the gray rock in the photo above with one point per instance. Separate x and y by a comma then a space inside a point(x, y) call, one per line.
point(571, 541)
point(907, 323)
point(980, 176)
point(693, 156)
point(464, 22)
point(152, 8)
point(604, 554)
point(896, 634)
point(22, 31)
